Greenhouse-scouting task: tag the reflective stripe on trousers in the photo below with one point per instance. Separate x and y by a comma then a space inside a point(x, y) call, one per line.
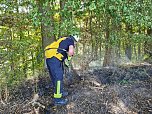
point(55, 68)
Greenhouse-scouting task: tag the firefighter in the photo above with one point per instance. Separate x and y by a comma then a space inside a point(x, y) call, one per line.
point(56, 53)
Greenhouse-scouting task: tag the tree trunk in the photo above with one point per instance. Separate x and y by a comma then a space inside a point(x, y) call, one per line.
point(108, 48)
point(62, 3)
point(128, 49)
point(135, 51)
point(46, 29)
point(148, 44)
point(139, 51)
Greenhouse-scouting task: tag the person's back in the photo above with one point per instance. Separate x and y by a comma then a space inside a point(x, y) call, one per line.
point(54, 49)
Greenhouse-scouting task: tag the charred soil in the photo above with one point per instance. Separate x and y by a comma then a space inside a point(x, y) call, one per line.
point(121, 90)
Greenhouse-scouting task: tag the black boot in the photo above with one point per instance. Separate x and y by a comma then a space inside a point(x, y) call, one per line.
point(60, 101)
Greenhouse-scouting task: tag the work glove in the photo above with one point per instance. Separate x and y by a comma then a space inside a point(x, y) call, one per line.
point(69, 58)
point(67, 61)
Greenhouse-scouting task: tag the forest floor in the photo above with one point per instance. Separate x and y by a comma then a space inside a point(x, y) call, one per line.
point(121, 90)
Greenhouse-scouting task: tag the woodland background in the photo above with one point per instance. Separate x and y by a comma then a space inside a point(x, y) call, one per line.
point(113, 33)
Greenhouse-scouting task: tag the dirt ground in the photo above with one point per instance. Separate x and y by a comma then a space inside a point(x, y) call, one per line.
point(121, 90)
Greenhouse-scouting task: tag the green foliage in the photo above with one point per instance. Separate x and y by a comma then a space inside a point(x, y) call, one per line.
point(123, 21)
point(92, 6)
point(19, 44)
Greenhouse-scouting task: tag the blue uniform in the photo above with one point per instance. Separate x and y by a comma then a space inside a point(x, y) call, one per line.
point(65, 45)
point(54, 59)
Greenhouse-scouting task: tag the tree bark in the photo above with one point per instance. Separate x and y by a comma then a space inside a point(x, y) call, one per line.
point(46, 29)
point(128, 49)
point(62, 3)
point(148, 44)
point(139, 51)
point(108, 48)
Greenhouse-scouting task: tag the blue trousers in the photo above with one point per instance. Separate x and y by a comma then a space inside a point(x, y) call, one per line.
point(56, 71)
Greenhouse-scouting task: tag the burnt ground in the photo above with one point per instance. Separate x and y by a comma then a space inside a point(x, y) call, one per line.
point(122, 90)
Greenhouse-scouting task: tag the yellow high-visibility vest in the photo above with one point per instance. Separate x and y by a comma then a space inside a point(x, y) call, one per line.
point(51, 50)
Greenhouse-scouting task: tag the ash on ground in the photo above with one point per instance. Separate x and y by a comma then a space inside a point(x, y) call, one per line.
point(123, 90)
